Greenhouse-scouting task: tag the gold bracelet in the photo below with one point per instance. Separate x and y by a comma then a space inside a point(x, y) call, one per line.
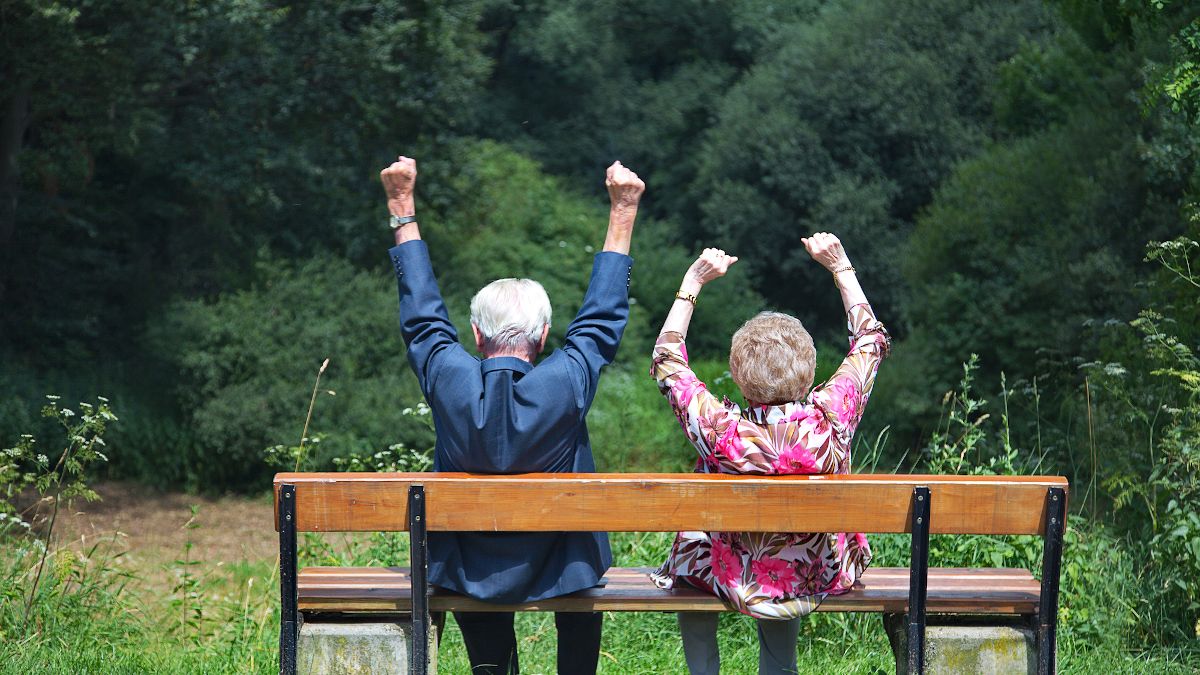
point(680, 295)
point(847, 268)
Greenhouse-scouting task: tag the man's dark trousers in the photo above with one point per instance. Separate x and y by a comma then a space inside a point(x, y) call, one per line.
point(492, 642)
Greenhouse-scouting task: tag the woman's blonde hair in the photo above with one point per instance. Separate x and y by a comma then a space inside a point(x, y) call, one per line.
point(772, 359)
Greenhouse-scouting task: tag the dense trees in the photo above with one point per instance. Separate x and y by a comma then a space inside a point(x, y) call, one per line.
point(756, 124)
point(836, 132)
point(169, 168)
point(165, 143)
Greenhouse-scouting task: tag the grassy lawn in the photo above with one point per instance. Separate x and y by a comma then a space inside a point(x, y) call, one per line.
point(154, 604)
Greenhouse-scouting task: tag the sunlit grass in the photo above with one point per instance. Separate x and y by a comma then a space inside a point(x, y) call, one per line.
point(134, 626)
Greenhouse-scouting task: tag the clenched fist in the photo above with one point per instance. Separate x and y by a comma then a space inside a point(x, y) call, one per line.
point(624, 187)
point(399, 179)
point(827, 250)
point(712, 264)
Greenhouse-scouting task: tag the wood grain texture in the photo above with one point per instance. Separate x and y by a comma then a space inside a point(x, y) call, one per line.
point(951, 591)
point(375, 502)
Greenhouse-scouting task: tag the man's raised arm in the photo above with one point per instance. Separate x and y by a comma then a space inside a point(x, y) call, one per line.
point(593, 337)
point(424, 321)
point(625, 193)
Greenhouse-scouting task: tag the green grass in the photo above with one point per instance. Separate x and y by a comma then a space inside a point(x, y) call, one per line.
point(107, 613)
point(231, 626)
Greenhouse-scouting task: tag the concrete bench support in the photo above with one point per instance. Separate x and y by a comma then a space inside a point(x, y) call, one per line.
point(345, 646)
point(983, 646)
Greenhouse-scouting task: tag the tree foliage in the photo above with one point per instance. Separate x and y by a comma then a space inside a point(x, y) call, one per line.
point(833, 132)
point(164, 143)
point(246, 363)
point(1030, 241)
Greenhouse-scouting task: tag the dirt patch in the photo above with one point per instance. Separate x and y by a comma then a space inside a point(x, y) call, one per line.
point(152, 527)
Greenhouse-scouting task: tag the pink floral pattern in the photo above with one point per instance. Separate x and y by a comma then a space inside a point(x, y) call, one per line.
point(726, 565)
point(775, 577)
point(772, 575)
point(797, 459)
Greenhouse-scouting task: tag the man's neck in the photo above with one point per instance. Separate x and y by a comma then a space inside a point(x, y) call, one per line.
point(513, 354)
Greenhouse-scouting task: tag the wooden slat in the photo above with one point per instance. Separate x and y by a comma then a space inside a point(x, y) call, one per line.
point(375, 502)
point(951, 591)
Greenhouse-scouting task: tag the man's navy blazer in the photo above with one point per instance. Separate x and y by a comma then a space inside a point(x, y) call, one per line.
point(505, 415)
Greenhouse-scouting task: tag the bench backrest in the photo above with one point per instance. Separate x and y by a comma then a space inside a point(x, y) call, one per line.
point(626, 502)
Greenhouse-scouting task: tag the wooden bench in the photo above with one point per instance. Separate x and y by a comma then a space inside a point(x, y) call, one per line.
point(918, 505)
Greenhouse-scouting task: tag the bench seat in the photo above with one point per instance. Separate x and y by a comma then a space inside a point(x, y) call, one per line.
point(881, 589)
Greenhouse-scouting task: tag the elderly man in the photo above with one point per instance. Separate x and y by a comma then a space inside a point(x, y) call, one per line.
point(503, 414)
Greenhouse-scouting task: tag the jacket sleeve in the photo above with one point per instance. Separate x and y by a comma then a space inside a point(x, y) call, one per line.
point(424, 322)
point(844, 396)
point(710, 425)
point(593, 337)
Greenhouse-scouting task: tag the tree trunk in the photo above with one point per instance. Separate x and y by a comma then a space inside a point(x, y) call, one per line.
point(12, 136)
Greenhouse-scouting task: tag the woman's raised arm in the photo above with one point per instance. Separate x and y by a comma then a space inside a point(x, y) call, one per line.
point(712, 264)
point(844, 395)
point(700, 413)
point(827, 250)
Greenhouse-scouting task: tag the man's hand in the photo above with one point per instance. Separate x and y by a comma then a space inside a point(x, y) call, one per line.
point(713, 263)
point(625, 190)
point(399, 180)
point(624, 187)
point(827, 250)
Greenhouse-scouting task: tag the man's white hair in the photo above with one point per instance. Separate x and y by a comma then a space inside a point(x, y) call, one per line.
point(510, 314)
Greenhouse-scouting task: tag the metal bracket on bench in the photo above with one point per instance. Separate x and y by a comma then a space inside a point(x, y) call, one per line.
point(918, 579)
point(1056, 513)
point(289, 619)
point(419, 664)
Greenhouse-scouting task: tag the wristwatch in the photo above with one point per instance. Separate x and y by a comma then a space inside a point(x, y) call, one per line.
point(400, 221)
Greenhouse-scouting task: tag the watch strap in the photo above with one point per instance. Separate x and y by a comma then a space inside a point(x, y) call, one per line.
point(400, 221)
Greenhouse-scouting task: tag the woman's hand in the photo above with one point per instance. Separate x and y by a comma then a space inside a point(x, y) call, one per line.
point(827, 250)
point(711, 264)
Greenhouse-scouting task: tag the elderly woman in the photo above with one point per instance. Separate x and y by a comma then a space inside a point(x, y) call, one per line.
point(787, 427)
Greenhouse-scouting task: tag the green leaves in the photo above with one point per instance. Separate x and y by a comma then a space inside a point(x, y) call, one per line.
point(173, 140)
point(56, 478)
point(246, 361)
point(835, 132)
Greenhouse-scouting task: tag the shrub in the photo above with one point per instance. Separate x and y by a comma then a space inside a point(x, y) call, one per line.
point(38, 579)
point(1150, 427)
point(244, 360)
